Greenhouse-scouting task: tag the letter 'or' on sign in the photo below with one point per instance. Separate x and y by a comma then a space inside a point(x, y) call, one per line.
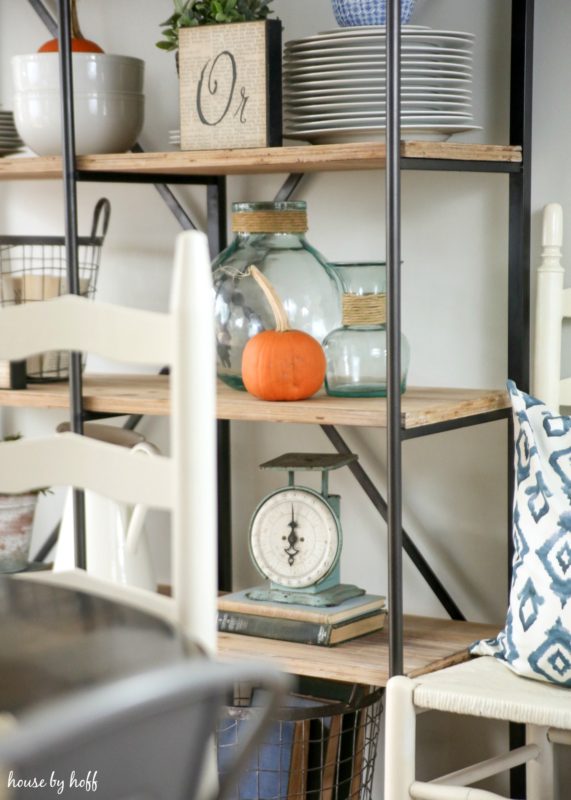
point(228, 77)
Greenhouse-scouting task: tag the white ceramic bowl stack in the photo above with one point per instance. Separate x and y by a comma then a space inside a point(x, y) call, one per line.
point(108, 100)
point(335, 84)
point(10, 141)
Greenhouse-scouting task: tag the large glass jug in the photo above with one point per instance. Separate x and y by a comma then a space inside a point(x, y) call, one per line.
point(270, 236)
point(357, 352)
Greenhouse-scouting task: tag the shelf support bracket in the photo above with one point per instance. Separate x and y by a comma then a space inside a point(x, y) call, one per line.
point(289, 186)
point(179, 212)
point(380, 504)
point(46, 16)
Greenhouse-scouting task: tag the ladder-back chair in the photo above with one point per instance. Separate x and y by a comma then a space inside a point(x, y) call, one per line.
point(86, 723)
point(185, 483)
point(484, 687)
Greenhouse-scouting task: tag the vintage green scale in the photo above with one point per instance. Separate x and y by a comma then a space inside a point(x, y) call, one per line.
point(296, 537)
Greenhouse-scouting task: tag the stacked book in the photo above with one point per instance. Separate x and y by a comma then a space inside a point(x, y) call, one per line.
point(302, 624)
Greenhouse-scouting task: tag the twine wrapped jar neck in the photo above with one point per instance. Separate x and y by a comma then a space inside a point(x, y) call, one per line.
point(270, 218)
point(357, 352)
point(364, 309)
point(364, 292)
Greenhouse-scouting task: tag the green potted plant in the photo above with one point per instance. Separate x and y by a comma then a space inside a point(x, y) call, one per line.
point(16, 522)
point(191, 13)
point(230, 74)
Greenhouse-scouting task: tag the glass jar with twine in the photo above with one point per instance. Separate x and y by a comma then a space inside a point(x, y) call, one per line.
point(270, 236)
point(357, 351)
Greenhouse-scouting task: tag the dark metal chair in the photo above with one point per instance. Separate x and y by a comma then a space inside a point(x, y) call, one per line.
point(146, 737)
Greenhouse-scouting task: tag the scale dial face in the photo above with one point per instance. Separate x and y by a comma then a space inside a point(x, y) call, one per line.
point(295, 538)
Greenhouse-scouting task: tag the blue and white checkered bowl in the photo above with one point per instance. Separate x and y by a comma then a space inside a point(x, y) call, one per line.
point(368, 12)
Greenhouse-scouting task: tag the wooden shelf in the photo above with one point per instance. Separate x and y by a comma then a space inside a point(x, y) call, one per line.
point(429, 644)
point(149, 394)
point(419, 407)
point(305, 158)
point(114, 394)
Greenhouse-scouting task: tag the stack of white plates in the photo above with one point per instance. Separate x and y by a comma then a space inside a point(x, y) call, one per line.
point(335, 84)
point(10, 142)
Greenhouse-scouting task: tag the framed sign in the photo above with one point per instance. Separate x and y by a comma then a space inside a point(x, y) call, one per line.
point(231, 85)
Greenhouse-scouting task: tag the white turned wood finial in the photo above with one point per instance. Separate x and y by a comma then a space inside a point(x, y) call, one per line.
point(546, 373)
point(552, 238)
point(552, 225)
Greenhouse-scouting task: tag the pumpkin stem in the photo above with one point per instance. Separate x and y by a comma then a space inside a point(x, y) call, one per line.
point(278, 310)
point(75, 29)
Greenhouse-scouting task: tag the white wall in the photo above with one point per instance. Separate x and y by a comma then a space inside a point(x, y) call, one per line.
point(455, 254)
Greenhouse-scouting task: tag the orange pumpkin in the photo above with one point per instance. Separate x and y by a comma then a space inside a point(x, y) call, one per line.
point(283, 364)
point(79, 44)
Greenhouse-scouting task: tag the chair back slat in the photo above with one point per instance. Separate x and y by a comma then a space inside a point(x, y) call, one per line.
point(76, 323)
point(71, 460)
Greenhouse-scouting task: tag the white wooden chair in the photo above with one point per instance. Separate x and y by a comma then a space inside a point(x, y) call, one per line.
point(483, 687)
point(184, 483)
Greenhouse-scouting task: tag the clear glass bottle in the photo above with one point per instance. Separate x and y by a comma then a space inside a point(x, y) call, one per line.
point(270, 236)
point(357, 352)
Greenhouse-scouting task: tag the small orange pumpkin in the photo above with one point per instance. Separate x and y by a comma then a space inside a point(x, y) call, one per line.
point(79, 44)
point(283, 364)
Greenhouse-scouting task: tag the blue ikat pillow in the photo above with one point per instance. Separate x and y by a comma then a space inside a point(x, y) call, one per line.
point(536, 640)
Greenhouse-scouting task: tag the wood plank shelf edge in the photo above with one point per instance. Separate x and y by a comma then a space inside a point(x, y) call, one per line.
point(149, 395)
point(429, 644)
point(305, 158)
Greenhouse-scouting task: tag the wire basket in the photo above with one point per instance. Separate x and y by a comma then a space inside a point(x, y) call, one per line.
point(34, 268)
point(322, 746)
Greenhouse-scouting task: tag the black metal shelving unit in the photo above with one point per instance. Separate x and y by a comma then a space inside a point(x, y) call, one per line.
point(521, 96)
point(519, 176)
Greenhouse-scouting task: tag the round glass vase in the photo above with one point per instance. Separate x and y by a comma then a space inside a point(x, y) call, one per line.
point(357, 352)
point(270, 236)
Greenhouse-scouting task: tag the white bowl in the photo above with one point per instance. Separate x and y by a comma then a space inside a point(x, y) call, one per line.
point(92, 72)
point(104, 122)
